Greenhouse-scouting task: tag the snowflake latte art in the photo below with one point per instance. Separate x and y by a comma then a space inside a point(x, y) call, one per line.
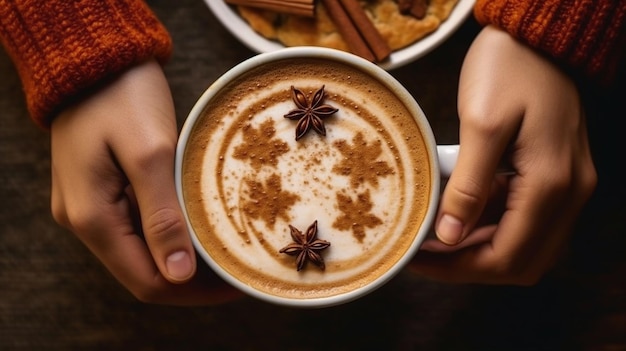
point(306, 178)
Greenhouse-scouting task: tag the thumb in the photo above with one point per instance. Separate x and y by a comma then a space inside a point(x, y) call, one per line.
point(162, 220)
point(144, 143)
point(466, 193)
point(164, 229)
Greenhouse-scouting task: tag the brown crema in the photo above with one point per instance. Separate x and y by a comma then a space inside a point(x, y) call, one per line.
point(246, 180)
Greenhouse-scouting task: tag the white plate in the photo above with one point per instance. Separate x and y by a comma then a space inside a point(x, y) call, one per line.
point(256, 42)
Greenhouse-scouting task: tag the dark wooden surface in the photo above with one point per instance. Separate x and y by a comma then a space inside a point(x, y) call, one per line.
point(55, 295)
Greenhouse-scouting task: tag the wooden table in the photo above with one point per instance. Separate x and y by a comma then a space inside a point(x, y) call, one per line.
point(55, 295)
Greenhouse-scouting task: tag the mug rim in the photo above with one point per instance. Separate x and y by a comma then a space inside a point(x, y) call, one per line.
point(372, 70)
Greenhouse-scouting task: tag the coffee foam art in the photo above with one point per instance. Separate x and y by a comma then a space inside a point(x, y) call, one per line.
point(246, 179)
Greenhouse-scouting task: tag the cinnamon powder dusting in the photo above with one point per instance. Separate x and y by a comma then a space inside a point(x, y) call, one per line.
point(268, 201)
point(260, 146)
point(356, 214)
point(359, 162)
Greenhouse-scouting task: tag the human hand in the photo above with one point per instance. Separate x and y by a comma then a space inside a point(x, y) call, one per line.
point(513, 104)
point(113, 186)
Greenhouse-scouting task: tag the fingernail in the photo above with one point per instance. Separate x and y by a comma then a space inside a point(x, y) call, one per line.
point(449, 230)
point(179, 265)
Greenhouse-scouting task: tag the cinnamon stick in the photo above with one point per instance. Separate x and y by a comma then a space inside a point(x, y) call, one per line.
point(348, 30)
point(295, 7)
point(376, 43)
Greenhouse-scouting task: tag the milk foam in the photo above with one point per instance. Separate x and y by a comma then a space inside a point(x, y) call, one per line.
point(247, 179)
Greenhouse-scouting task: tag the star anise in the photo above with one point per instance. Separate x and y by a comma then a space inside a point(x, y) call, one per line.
point(306, 246)
point(309, 115)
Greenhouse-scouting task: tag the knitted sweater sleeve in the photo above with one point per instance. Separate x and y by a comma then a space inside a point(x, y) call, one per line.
point(63, 48)
point(588, 36)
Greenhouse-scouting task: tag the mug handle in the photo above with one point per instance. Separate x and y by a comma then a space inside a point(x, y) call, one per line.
point(448, 155)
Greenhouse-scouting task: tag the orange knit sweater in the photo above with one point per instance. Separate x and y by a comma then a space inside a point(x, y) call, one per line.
point(587, 35)
point(63, 47)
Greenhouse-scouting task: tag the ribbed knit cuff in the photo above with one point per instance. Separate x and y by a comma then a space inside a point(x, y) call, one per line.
point(586, 35)
point(61, 48)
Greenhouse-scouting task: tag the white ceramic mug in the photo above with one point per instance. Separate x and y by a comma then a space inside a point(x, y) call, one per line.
point(440, 158)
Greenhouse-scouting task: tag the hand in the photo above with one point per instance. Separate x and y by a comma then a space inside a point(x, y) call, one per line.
point(113, 186)
point(513, 104)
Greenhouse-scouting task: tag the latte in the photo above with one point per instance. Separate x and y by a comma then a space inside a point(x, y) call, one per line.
point(306, 178)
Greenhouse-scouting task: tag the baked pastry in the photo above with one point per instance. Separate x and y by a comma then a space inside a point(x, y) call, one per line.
point(399, 30)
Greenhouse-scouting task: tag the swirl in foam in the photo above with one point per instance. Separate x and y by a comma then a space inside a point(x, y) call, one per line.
point(246, 179)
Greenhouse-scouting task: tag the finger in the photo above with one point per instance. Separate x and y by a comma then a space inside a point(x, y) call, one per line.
point(562, 184)
point(525, 242)
point(528, 239)
point(490, 263)
point(145, 151)
point(480, 236)
point(126, 256)
point(465, 195)
point(146, 282)
point(152, 178)
point(491, 215)
point(106, 223)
